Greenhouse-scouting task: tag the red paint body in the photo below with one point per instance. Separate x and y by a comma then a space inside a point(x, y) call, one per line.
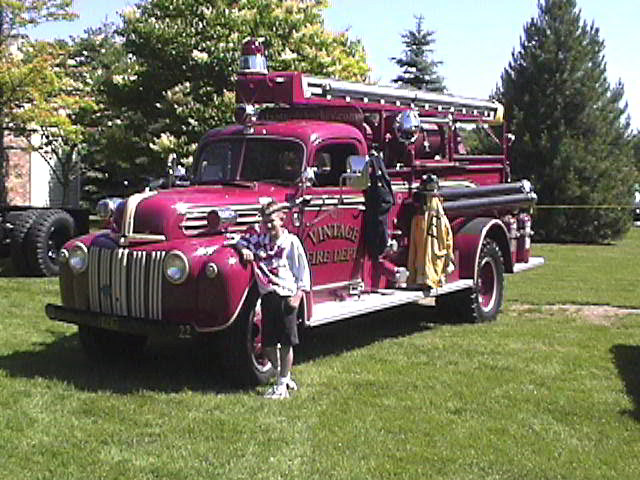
point(240, 167)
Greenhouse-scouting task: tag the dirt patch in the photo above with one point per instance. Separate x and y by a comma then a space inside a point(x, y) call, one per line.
point(595, 314)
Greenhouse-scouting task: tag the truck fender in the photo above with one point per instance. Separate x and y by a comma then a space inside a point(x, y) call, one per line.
point(468, 241)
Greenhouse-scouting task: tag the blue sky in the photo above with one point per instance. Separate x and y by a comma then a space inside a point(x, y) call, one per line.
point(473, 38)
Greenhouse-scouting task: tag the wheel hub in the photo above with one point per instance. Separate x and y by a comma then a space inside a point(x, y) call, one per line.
point(486, 285)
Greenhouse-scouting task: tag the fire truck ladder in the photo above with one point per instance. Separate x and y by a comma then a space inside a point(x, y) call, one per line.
point(439, 104)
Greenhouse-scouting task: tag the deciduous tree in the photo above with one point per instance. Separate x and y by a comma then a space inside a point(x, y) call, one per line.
point(185, 55)
point(27, 76)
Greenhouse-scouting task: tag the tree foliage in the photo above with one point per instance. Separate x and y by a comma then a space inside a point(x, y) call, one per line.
point(419, 70)
point(28, 72)
point(111, 163)
point(184, 54)
point(636, 149)
point(572, 131)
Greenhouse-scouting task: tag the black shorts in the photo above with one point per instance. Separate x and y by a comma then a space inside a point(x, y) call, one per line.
point(279, 321)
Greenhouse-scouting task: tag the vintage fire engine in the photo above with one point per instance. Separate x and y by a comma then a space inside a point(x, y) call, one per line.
point(168, 265)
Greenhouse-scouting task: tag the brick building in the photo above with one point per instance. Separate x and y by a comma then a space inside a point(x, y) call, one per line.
point(29, 179)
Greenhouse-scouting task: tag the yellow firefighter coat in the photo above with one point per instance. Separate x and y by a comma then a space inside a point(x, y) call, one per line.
point(430, 246)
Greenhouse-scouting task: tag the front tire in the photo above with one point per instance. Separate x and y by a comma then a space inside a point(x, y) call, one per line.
point(240, 345)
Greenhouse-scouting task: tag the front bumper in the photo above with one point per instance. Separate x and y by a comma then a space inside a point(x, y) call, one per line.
point(132, 325)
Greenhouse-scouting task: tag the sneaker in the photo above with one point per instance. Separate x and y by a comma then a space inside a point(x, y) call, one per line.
point(278, 391)
point(291, 385)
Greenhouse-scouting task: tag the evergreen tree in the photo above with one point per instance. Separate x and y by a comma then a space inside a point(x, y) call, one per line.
point(636, 149)
point(419, 70)
point(572, 131)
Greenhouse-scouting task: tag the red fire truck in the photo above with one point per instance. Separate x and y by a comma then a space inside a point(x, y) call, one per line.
point(167, 264)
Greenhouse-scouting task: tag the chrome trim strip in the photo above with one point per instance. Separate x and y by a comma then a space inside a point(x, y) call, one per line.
point(134, 279)
point(534, 262)
point(330, 286)
point(94, 303)
point(350, 207)
point(130, 210)
point(140, 237)
point(483, 235)
point(105, 269)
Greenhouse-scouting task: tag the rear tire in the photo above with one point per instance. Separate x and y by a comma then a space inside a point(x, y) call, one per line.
point(22, 223)
point(483, 302)
point(49, 232)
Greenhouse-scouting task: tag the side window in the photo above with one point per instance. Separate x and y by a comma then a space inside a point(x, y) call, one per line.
point(330, 162)
point(272, 160)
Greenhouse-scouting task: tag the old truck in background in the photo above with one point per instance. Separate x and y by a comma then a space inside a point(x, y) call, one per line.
point(33, 236)
point(167, 265)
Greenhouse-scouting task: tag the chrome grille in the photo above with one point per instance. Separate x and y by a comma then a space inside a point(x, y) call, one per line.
point(195, 218)
point(126, 282)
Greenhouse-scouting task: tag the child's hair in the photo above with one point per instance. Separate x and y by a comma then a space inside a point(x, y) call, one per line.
point(270, 208)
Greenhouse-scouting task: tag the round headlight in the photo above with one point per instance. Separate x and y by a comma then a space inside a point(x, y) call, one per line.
point(106, 207)
point(176, 267)
point(78, 258)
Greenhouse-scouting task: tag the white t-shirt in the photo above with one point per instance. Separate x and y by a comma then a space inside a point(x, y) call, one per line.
point(280, 267)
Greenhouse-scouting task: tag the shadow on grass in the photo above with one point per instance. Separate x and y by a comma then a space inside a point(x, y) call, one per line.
point(173, 366)
point(627, 361)
point(166, 366)
point(365, 330)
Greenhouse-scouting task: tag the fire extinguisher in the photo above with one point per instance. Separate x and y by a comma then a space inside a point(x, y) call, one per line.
point(524, 238)
point(512, 228)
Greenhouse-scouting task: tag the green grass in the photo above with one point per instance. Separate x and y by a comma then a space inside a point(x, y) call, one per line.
point(584, 274)
point(541, 393)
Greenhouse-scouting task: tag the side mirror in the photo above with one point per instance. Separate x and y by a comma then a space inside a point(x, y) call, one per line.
point(357, 175)
point(308, 176)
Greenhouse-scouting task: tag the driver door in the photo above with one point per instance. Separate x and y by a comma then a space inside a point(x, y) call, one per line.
point(332, 225)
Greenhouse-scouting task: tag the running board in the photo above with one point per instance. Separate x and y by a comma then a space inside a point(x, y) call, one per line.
point(332, 311)
point(327, 312)
point(533, 262)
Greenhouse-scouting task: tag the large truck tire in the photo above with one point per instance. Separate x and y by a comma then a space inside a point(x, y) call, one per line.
point(7, 221)
point(50, 231)
point(240, 347)
point(22, 222)
point(483, 302)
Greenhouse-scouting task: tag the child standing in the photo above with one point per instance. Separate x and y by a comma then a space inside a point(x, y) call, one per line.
point(282, 273)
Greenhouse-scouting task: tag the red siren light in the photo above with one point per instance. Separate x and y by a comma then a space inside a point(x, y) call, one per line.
point(253, 58)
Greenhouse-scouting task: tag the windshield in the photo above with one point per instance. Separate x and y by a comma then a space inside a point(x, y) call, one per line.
point(250, 159)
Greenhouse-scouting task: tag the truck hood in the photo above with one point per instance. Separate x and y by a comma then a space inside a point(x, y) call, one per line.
point(181, 213)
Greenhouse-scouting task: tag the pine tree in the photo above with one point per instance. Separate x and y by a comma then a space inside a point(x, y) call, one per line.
point(419, 70)
point(572, 131)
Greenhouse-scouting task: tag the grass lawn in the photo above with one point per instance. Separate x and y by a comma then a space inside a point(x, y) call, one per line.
point(585, 274)
point(542, 393)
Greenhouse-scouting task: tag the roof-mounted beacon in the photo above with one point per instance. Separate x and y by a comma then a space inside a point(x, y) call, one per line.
point(253, 59)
